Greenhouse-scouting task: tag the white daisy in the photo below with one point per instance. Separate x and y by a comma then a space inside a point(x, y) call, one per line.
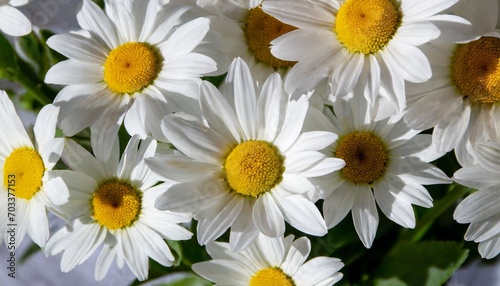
point(248, 32)
point(12, 21)
point(30, 187)
point(249, 167)
point(360, 44)
point(269, 261)
point(386, 164)
point(134, 63)
point(112, 204)
point(461, 100)
point(480, 209)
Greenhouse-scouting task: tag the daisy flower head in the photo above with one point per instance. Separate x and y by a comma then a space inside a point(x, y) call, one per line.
point(12, 21)
point(30, 187)
point(111, 205)
point(461, 100)
point(249, 166)
point(132, 64)
point(269, 261)
point(359, 44)
point(249, 33)
point(386, 164)
point(480, 209)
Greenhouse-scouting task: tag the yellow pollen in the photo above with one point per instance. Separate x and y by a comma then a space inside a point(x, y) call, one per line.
point(366, 26)
point(253, 168)
point(475, 70)
point(272, 276)
point(116, 204)
point(131, 67)
point(261, 29)
point(23, 172)
point(364, 155)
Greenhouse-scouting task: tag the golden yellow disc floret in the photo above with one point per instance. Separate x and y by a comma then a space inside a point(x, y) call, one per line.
point(271, 276)
point(365, 157)
point(131, 67)
point(260, 30)
point(366, 26)
point(116, 204)
point(23, 172)
point(253, 168)
point(475, 70)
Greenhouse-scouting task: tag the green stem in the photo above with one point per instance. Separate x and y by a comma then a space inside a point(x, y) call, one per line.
point(456, 192)
point(34, 89)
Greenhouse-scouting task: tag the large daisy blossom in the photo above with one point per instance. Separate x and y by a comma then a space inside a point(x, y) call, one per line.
point(252, 40)
point(12, 21)
point(461, 100)
point(386, 164)
point(269, 261)
point(249, 166)
point(365, 45)
point(480, 209)
point(30, 187)
point(133, 64)
point(111, 205)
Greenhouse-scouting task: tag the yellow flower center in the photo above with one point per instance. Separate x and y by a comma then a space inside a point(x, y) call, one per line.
point(261, 29)
point(366, 26)
point(116, 204)
point(131, 67)
point(272, 276)
point(253, 168)
point(364, 155)
point(23, 172)
point(475, 70)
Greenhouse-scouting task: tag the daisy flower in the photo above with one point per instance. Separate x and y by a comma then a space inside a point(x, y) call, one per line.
point(386, 164)
point(480, 209)
point(249, 32)
point(111, 204)
point(361, 44)
point(12, 21)
point(30, 187)
point(461, 100)
point(269, 261)
point(134, 64)
point(249, 166)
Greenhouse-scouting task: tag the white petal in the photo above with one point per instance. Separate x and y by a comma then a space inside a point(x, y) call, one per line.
point(296, 256)
point(186, 37)
point(302, 214)
point(364, 215)
point(292, 125)
point(488, 155)
point(194, 139)
point(271, 107)
point(394, 206)
point(317, 270)
point(218, 112)
point(338, 204)
point(223, 272)
point(78, 47)
point(478, 206)
point(216, 220)
point(268, 217)
point(91, 17)
point(13, 22)
point(243, 231)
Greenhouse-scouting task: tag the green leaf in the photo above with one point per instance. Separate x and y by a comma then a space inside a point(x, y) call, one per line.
point(7, 58)
point(426, 263)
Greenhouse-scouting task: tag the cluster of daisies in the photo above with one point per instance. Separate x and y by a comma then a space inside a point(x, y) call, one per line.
point(322, 101)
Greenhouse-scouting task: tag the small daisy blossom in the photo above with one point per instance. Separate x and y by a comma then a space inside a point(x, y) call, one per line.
point(12, 21)
point(249, 167)
point(269, 261)
point(134, 64)
point(30, 187)
point(386, 164)
point(111, 205)
point(250, 35)
point(362, 45)
point(461, 101)
point(480, 209)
